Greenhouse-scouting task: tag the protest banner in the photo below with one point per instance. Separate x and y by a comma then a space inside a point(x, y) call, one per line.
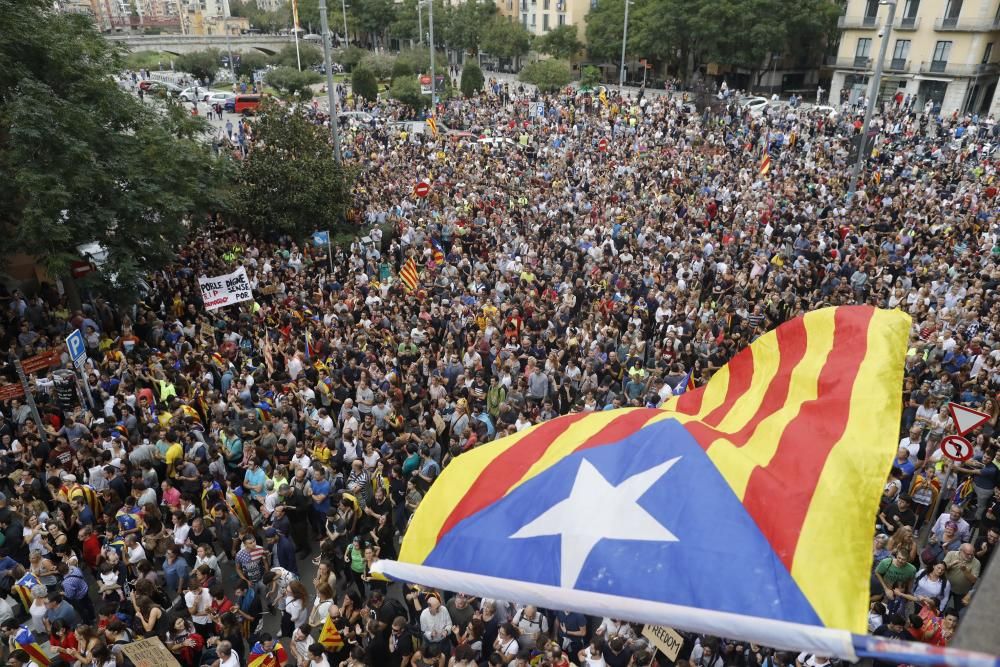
point(225, 290)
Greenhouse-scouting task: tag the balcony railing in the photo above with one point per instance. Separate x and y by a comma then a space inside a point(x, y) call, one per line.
point(858, 22)
point(907, 23)
point(955, 24)
point(856, 62)
point(898, 65)
point(956, 69)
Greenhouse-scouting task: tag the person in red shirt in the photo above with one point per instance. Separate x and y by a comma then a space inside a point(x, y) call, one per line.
point(63, 640)
point(91, 547)
point(220, 605)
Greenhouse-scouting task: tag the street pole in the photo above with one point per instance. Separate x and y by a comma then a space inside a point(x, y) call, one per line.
point(872, 100)
point(621, 72)
point(29, 398)
point(331, 92)
point(295, 27)
point(430, 25)
point(343, 12)
point(420, 23)
point(229, 47)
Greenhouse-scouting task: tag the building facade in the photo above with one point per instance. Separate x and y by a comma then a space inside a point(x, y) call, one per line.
point(541, 16)
point(943, 51)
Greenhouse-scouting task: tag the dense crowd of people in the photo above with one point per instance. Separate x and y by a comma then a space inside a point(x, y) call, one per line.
point(574, 253)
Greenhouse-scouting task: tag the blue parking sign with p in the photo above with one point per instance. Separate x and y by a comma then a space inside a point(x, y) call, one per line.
point(77, 348)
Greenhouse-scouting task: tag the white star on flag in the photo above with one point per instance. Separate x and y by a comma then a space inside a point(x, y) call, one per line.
point(597, 510)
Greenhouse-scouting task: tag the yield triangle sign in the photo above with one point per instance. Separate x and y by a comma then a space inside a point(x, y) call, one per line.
point(966, 419)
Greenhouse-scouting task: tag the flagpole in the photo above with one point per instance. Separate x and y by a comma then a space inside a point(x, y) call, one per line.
point(329, 250)
point(295, 22)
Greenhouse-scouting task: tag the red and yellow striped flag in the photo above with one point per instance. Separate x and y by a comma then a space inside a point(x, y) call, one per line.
point(330, 636)
point(408, 274)
point(432, 123)
point(784, 452)
point(765, 165)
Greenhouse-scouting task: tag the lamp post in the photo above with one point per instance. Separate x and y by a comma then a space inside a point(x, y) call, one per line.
point(420, 23)
point(331, 92)
point(225, 29)
point(621, 72)
point(872, 100)
point(430, 26)
point(343, 12)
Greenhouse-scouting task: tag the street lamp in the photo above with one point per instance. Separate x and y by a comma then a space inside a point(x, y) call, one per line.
point(430, 25)
point(872, 99)
point(420, 23)
point(331, 91)
point(343, 12)
point(225, 29)
point(621, 72)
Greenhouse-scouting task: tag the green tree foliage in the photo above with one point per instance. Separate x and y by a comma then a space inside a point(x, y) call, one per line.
point(266, 21)
point(250, 62)
point(466, 23)
point(472, 79)
point(407, 91)
point(401, 68)
point(506, 39)
point(738, 33)
point(420, 59)
point(548, 75)
point(202, 64)
point(590, 77)
point(349, 57)
point(292, 82)
point(379, 64)
point(404, 25)
point(289, 183)
point(561, 42)
point(373, 18)
point(364, 83)
point(83, 160)
point(310, 55)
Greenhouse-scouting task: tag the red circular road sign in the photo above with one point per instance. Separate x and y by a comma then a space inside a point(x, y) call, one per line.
point(602, 145)
point(422, 189)
point(425, 80)
point(956, 448)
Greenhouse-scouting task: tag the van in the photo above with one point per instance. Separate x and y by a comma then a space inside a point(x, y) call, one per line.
point(246, 104)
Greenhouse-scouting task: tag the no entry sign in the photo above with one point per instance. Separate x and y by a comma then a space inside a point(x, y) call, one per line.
point(422, 189)
point(602, 145)
point(956, 448)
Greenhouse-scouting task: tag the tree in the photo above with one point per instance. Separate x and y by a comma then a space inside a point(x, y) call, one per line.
point(561, 43)
point(548, 75)
point(605, 24)
point(293, 82)
point(379, 64)
point(83, 160)
point(373, 18)
point(266, 21)
point(250, 62)
point(309, 54)
point(289, 182)
point(472, 79)
point(350, 57)
point(407, 91)
point(466, 23)
point(401, 68)
point(404, 26)
point(590, 77)
point(506, 39)
point(202, 64)
point(364, 84)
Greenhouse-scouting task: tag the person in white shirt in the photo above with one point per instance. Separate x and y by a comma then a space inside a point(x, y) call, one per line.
point(199, 605)
point(226, 655)
point(435, 623)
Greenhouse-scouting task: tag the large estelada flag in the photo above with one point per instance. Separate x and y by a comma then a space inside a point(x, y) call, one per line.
point(742, 509)
point(26, 641)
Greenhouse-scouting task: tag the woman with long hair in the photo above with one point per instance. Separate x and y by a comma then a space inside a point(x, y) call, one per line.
point(184, 642)
point(296, 608)
point(903, 540)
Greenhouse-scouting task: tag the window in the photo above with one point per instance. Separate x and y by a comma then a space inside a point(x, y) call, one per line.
point(899, 54)
point(871, 8)
point(864, 49)
point(941, 51)
point(532, 19)
point(562, 19)
point(545, 22)
point(911, 8)
point(953, 9)
point(987, 53)
point(545, 4)
point(524, 20)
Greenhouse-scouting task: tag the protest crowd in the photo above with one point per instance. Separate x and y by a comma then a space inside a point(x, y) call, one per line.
point(239, 469)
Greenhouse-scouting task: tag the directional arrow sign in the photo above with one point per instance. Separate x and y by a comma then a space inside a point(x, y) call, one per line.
point(966, 419)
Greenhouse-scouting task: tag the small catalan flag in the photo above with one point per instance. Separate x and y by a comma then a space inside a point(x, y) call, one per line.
point(27, 643)
point(432, 123)
point(330, 636)
point(765, 165)
point(408, 274)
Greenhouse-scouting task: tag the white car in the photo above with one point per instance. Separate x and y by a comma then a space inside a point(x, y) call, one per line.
point(194, 93)
point(218, 98)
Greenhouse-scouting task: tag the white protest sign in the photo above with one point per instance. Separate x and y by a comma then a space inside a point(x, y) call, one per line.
point(225, 290)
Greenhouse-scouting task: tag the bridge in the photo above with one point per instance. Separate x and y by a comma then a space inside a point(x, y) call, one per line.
point(180, 44)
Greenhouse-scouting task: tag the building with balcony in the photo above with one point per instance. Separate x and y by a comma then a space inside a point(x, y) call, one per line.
point(541, 16)
point(946, 51)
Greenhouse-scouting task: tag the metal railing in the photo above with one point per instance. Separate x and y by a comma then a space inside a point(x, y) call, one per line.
point(897, 65)
point(858, 22)
point(957, 69)
point(955, 24)
point(907, 23)
point(855, 62)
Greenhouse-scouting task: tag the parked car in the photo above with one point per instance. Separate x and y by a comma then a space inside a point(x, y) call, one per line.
point(219, 98)
point(246, 104)
point(164, 88)
point(194, 93)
